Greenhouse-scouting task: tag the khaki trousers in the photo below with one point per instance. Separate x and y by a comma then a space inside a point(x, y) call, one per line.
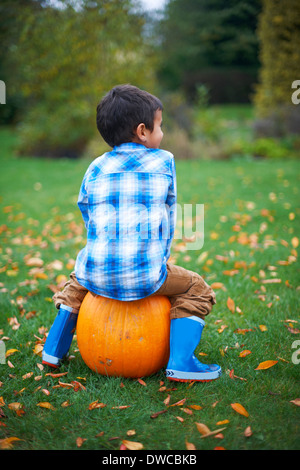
point(189, 294)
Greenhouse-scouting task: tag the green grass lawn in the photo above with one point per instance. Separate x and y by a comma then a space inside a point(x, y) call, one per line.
point(250, 255)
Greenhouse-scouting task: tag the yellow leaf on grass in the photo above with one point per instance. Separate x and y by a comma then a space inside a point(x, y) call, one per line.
point(263, 328)
point(231, 304)
point(218, 285)
point(7, 443)
point(239, 409)
point(266, 365)
point(15, 406)
point(225, 421)
point(9, 352)
point(46, 404)
point(132, 445)
point(38, 348)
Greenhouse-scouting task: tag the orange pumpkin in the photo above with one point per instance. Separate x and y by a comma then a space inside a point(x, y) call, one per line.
point(126, 339)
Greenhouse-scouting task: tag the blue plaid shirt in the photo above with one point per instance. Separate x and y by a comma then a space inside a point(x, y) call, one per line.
point(128, 203)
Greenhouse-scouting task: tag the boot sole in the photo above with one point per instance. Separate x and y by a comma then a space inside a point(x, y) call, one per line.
point(51, 365)
point(190, 380)
point(179, 376)
point(51, 361)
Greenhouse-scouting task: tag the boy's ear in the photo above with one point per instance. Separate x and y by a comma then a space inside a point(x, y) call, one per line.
point(141, 132)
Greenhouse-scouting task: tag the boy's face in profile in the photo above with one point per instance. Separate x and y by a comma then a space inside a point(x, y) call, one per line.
point(155, 137)
point(148, 138)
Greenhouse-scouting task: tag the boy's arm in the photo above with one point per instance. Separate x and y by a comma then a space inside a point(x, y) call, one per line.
point(172, 201)
point(83, 203)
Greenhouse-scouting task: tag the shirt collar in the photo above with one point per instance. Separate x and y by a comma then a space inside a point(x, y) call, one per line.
point(129, 146)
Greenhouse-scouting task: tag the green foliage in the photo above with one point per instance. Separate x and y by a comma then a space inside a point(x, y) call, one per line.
point(279, 34)
point(67, 59)
point(208, 39)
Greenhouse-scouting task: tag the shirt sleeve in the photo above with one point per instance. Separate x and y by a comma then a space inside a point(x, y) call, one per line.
point(83, 202)
point(172, 200)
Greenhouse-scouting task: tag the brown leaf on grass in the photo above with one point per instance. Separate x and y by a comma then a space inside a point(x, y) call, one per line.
point(296, 401)
point(189, 445)
point(202, 428)
point(65, 404)
point(65, 385)
point(167, 400)
point(155, 415)
point(27, 376)
point(248, 432)
point(225, 421)
point(80, 441)
point(142, 382)
point(34, 261)
point(218, 285)
point(239, 409)
point(293, 330)
point(187, 411)
point(233, 376)
point(244, 353)
point(242, 331)
point(271, 281)
point(95, 404)
point(77, 386)
point(132, 445)
point(265, 365)
point(52, 374)
point(206, 432)
point(195, 407)
point(179, 403)
point(230, 304)
point(121, 407)
point(15, 406)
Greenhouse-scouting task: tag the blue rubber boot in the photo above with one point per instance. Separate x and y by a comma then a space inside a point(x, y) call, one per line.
point(60, 336)
point(183, 366)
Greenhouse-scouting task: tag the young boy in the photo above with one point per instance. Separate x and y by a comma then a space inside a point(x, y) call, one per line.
point(127, 200)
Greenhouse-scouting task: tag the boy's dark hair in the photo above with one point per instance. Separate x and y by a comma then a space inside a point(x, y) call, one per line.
point(121, 111)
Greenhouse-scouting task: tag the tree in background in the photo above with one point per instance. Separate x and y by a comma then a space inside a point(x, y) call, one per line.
point(279, 34)
point(65, 58)
point(210, 42)
point(10, 11)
